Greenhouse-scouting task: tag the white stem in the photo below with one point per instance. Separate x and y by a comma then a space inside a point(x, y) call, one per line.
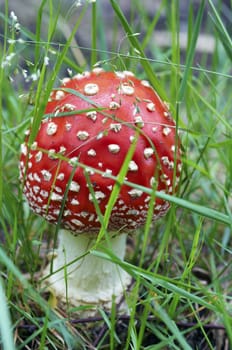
point(91, 279)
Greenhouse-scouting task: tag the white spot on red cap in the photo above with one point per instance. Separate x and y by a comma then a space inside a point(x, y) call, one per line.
point(133, 212)
point(166, 114)
point(60, 176)
point(67, 212)
point(139, 121)
point(75, 201)
point(62, 150)
point(92, 115)
point(133, 166)
point(128, 73)
point(91, 218)
point(46, 175)
point(24, 149)
point(126, 89)
point(44, 193)
point(132, 138)
point(68, 126)
point(91, 89)
point(166, 130)
point(107, 173)
point(78, 76)
point(36, 189)
point(36, 177)
point(68, 107)
point(116, 127)
point(77, 223)
point(135, 193)
point(104, 120)
point(100, 135)
point(167, 162)
point(98, 196)
point(51, 128)
point(31, 178)
point(56, 211)
point(120, 75)
point(38, 156)
point(114, 105)
point(91, 152)
point(113, 148)
point(148, 152)
point(145, 83)
point(65, 80)
point(97, 70)
point(150, 106)
point(73, 161)
point(59, 95)
point(52, 153)
point(34, 145)
point(56, 197)
point(74, 186)
point(82, 135)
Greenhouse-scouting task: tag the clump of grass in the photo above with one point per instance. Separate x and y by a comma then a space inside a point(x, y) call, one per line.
point(181, 265)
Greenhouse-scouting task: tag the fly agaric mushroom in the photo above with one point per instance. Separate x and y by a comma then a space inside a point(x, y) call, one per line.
point(93, 119)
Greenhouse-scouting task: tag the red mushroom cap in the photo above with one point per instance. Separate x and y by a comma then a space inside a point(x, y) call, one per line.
point(114, 105)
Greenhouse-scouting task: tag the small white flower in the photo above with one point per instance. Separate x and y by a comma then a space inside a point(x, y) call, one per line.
point(70, 72)
point(11, 41)
point(7, 61)
point(10, 56)
point(17, 26)
point(78, 3)
point(34, 76)
point(46, 60)
point(13, 16)
point(24, 73)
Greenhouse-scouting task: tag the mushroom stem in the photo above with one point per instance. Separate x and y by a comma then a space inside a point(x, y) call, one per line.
point(90, 279)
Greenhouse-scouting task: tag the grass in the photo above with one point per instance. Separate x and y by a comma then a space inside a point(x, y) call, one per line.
point(181, 265)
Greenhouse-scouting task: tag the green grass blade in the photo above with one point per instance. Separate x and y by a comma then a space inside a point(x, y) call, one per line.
point(191, 51)
point(196, 208)
point(151, 280)
point(222, 31)
point(5, 322)
point(117, 187)
point(139, 50)
point(162, 314)
point(94, 30)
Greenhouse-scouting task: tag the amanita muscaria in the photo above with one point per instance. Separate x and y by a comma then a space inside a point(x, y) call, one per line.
point(108, 111)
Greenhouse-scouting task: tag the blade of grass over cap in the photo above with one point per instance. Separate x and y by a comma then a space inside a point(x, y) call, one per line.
point(117, 186)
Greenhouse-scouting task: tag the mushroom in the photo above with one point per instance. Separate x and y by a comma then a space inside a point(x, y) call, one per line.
point(69, 171)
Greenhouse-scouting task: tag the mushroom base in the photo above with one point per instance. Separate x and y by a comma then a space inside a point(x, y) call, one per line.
point(85, 279)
